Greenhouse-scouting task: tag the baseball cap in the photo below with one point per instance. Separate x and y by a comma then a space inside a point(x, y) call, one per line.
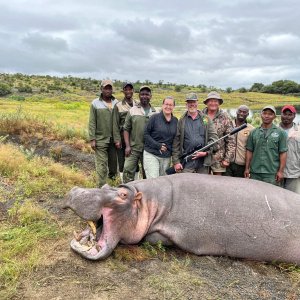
point(191, 97)
point(127, 83)
point(270, 107)
point(145, 87)
point(289, 107)
point(213, 95)
point(106, 82)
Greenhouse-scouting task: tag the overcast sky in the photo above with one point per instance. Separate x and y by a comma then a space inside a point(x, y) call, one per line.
point(218, 43)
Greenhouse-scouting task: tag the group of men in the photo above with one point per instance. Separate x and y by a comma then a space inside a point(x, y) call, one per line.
point(128, 132)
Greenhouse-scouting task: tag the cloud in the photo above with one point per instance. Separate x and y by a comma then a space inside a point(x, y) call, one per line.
point(220, 43)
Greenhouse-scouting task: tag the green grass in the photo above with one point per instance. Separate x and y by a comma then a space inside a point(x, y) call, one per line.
point(29, 232)
point(23, 241)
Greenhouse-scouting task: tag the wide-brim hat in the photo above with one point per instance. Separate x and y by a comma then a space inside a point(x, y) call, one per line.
point(213, 95)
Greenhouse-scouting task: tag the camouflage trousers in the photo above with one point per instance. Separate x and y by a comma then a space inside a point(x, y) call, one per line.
point(106, 162)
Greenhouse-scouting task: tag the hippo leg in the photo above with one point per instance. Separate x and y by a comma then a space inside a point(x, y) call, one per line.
point(156, 237)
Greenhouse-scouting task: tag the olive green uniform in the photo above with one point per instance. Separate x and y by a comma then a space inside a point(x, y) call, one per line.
point(135, 123)
point(100, 129)
point(266, 148)
point(119, 114)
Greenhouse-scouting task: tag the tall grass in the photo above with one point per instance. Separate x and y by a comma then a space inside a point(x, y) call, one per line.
point(28, 231)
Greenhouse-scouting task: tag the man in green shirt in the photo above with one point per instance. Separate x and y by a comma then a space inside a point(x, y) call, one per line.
point(100, 133)
point(266, 150)
point(119, 115)
point(134, 127)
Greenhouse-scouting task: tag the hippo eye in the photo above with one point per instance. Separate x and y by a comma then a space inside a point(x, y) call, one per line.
point(123, 195)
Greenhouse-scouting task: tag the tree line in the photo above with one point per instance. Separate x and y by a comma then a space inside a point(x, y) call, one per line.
point(21, 83)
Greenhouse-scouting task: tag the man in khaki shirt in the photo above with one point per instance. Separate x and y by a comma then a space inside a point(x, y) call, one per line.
point(237, 166)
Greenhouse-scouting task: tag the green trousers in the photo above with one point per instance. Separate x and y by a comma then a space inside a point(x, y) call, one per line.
point(131, 164)
point(106, 162)
point(269, 178)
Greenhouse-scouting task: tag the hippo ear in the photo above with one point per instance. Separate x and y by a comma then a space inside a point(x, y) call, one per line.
point(138, 199)
point(105, 186)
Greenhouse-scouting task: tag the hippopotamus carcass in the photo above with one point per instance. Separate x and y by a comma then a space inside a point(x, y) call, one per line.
point(202, 214)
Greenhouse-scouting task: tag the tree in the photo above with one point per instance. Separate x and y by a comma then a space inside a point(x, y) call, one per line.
point(4, 89)
point(177, 88)
point(256, 87)
point(229, 90)
point(242, 90)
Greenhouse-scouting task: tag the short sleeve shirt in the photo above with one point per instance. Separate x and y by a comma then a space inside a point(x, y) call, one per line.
point(266, 149)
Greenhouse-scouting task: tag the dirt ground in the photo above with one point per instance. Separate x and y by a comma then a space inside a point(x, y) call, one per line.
point(172, 275)
point(177, 275)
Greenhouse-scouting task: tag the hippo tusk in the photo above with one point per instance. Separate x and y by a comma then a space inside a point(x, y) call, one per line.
point(93, 227)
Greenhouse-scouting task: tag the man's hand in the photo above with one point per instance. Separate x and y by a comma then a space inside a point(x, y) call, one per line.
point(163, 148)
point(279, 176)
point(118, 145)
point(225, 164)
point(178, 167)
point(247, 173)
point(93, 144)
point(127, 151)
point(198, 155)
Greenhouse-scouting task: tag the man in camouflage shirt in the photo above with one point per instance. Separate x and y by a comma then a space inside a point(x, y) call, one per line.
point(223, 126)
point(100, 133)
point(134, 127)
point(120, 111)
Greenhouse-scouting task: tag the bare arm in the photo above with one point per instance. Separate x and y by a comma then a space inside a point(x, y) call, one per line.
point(127, 143)
point(249, 155)
point(282, 162)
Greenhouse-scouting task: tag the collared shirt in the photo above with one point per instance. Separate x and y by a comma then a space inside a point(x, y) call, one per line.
point(118, 118)
point(292, 168)
point(223, 125)
point(159, 131)
point(135, 123)
point(241, 141)
point(100, 120)
point(266, 149)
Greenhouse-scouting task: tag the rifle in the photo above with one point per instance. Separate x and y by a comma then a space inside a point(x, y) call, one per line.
point(185, 158)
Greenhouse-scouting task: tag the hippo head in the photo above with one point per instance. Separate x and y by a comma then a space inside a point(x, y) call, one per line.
point(112, 213)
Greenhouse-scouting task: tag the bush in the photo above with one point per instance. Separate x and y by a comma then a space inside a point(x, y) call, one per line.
point(25, 89)
point(4, 89)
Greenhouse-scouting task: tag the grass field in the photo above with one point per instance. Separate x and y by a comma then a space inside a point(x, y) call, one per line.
point(31, 185)
point(66, 116)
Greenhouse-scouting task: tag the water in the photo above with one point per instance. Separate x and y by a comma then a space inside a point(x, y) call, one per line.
point(232, 111)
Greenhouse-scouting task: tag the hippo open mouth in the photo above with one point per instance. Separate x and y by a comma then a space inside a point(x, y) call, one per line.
point(91, 242)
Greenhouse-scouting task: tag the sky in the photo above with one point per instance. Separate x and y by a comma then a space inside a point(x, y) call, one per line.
point(216, 43)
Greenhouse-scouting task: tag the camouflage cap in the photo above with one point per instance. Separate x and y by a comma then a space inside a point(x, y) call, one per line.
point(126, 83)
point(105, 83)
point(145, 87)
point(191, 97)
point(213, 95)
point(270, 107)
